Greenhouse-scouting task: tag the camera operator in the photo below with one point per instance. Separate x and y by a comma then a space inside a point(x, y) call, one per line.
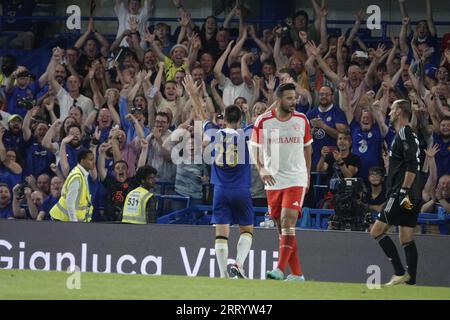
point(339, 163)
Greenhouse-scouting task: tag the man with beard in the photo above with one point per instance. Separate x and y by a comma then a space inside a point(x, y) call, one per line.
point(287, 180)
point(340, 163)
point(368, 136)
point(404, 196)
point(55, 193)
point(60, 77)
point(357, 83)
point(37, 158)
point(151, 64)
point(120, 183)
point(234, 86)
point(71, 96)
point(13, 137)
point(327, 120)
point(69, 149)
point(158, 157)
point(21, 90)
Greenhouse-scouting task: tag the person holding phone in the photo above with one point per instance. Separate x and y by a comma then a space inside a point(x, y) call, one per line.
point(339, 163)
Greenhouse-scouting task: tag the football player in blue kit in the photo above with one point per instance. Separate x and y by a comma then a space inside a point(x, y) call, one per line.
point(232, 203)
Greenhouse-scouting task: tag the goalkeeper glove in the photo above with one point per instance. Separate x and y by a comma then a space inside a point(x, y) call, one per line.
point(404, 199)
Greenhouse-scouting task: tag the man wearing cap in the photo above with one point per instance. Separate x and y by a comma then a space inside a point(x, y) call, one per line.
point(13, 136)
point(22, 91)
point(175, 62)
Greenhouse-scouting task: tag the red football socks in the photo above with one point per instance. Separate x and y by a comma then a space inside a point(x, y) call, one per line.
point(286, 246)
point(294, 261)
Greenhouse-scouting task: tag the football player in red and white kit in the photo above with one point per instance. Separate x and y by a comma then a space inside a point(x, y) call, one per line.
point(281, 147)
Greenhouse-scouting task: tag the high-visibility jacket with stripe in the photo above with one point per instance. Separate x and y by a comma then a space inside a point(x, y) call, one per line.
point(83, 204)
point(135, 207)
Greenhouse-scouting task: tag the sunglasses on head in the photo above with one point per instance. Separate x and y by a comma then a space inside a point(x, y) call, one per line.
point(134, 109)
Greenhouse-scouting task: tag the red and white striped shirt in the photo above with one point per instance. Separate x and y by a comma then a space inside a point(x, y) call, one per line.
point(283, 145)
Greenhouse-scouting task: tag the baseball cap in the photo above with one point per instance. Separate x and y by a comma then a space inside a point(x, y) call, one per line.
point(137, 109)
point(182, 46)
point(23, 74)
point(15, 117)
point(361, 54)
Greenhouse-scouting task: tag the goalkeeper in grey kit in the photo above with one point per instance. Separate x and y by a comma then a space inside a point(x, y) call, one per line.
point(404, 196)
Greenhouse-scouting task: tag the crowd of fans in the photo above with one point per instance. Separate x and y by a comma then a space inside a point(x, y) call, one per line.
point(125, 99)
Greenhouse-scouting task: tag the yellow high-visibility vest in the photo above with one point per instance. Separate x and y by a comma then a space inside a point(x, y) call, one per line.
point(83, 202)
point(134, 209)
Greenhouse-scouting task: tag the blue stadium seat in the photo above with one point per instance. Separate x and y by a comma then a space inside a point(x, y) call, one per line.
point(316, 218)
point(439, 219)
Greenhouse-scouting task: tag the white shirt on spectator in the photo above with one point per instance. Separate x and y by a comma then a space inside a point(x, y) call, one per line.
point(231, 92)
point(124, 17)
point(65, 102)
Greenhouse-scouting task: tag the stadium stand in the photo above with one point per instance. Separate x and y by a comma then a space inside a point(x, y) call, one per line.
point(129, 88)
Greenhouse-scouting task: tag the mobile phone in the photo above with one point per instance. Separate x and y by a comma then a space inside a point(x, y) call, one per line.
point(332, 148)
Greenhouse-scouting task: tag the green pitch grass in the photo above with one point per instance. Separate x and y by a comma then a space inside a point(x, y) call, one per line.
point(52, 285)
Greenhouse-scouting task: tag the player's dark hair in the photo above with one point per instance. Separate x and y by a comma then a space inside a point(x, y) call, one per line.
point(233, 114)
point(143, 172)
point(285, 87)
point(83, 154)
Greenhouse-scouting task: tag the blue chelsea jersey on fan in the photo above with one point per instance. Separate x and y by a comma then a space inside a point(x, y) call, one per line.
point(231, 159)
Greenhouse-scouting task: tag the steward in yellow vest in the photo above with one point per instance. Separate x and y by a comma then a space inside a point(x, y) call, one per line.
point(75, 202)
point(140, 203)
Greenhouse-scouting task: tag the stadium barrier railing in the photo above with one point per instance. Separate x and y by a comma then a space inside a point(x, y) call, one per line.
point(316, 219)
